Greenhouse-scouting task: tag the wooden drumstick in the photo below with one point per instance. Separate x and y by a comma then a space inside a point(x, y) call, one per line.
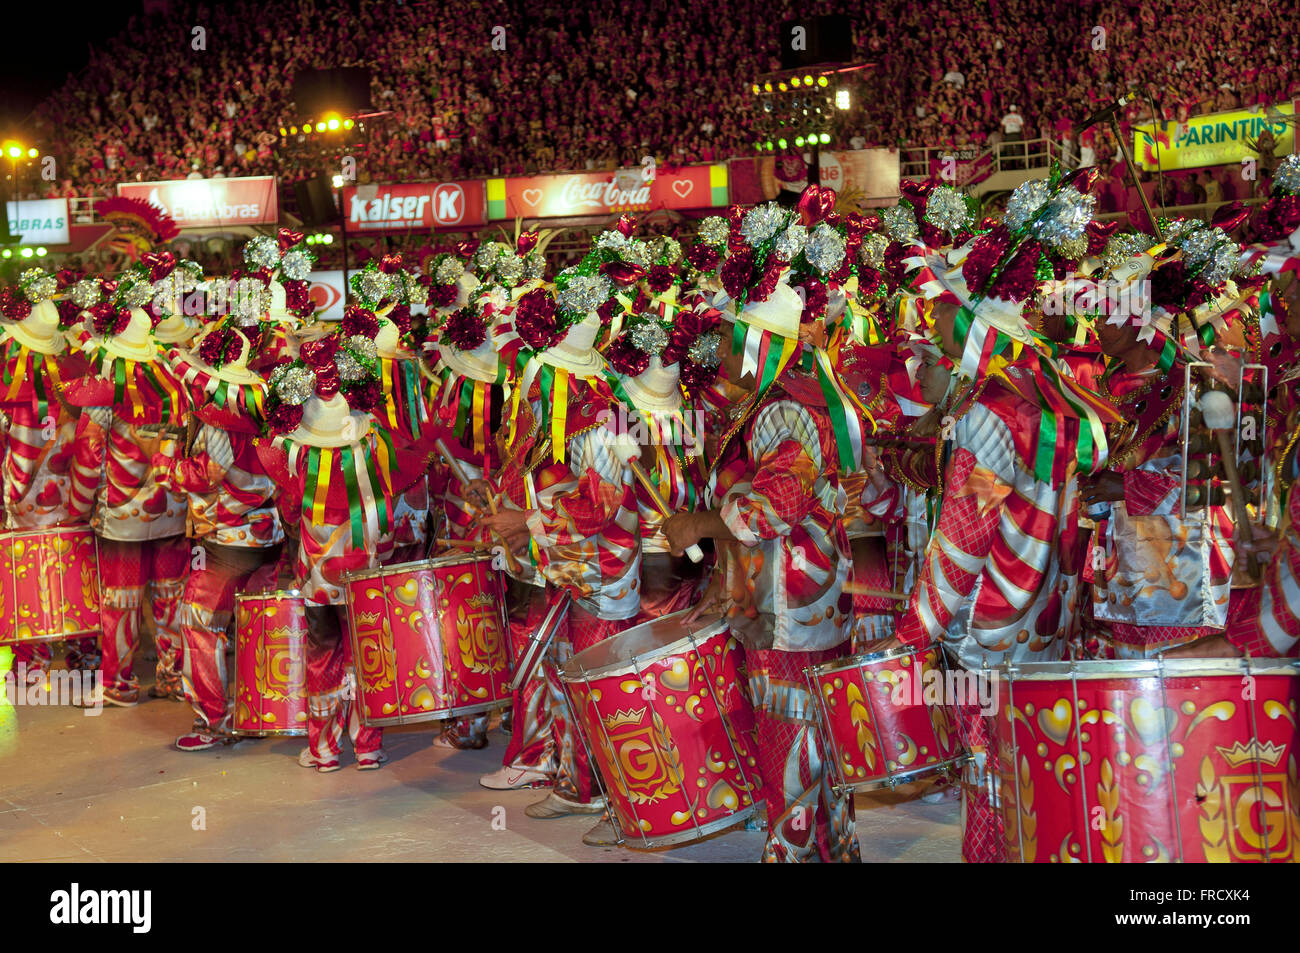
point(628, 451)
point(456, 468)
point(1220, 415)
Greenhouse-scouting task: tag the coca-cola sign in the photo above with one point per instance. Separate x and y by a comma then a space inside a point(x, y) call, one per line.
point(601, 193)
point(413, 205)
point(210, 203)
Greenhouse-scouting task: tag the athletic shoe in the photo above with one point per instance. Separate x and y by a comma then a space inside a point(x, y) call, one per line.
point(201, 742)
point(324, 767)
point(371, 760)
point(106, 696)
point(515, 779)
point(602, 835)
point(942, 790)
point(452, 738)
point(556, 806)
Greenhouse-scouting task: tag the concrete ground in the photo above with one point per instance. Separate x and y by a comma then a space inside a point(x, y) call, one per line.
point(112, 788)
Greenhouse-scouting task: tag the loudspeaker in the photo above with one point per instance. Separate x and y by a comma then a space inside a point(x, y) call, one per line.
point(344, 90)
point(826, 39)
point(316, 204)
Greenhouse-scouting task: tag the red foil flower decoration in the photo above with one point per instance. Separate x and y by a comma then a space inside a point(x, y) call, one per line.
point(622, 273)
point(365, 396)
point(527, 242)
point(441, 296)
point(626, 225)
point(626, 358)
point(464, 330)
point(390, 264)
point(736, 272)
point(703, 257)
point(284, 417)
point(358, 320)
point(535, 320)
point(320, 353)
point(660, 278)
point(287, 238)
point(327, 381)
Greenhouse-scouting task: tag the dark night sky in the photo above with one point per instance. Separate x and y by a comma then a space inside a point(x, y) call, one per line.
point(40, 44)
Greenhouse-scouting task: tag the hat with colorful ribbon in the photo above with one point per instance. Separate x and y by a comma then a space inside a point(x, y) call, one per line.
point(285, 263)
point(337, 365)
point(224, 391)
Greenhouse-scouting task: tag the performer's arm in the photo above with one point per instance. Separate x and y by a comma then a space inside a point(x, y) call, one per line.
point(587, 510)
point(89, 446)
point(203, 471)
point(785, 454)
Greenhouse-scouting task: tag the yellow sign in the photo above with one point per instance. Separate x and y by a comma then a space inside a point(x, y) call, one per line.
point(1217, 139)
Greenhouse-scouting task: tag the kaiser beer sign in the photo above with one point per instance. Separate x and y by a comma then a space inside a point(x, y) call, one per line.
point(210, 203)
point(419, 206)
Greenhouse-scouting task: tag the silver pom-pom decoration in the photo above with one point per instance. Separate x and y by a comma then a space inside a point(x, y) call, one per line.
point(584, 293)
point(1121, 248)
point(373, 286)
point(137, 295)
point(534, 265)
point(37, 285)
point(763, 222)
point(86, 293)
point(487, 255)
point(363, 346)
point(349, 369)
point(1287, 176)
point(296, 385)
point(713, 230)
point(449, 271)
point(252, 299)
point(636, 252)
point(899, 223)
point(1025, 202)
point(791, 242)
point(262, 252)
point(278, 374)
point(296, 265)
point(649, 335)
point(612, 240)
point(510, 269)
point(825, 249)
point(946, 210)
point(1179, 228)
point(705, 350)
point(665, 250)
point(1073, 249)
point(1064, 219)
point(872, 250)
point(1210, 254)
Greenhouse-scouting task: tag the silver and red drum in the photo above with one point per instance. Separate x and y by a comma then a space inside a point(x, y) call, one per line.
point(1191, 760)
point(429, 640)
point(668, 722)
point(270, 665)
point(888, 717)
point(49, 584)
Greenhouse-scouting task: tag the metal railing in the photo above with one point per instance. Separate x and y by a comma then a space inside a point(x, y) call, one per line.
point(1016, 155)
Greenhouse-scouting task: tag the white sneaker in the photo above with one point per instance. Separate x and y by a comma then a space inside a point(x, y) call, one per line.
point(555, 806)
point(306, 759)
point(507, 778)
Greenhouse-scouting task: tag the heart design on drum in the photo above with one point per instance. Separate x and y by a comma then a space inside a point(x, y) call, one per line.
point(1055, 722)
point(1147, 720)
point(407, 592)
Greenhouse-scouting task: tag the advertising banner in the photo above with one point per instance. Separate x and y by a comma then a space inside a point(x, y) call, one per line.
point(1217, 139)
point(576, 194)
point(40, 221)
point(211, 203)
point(420, 206)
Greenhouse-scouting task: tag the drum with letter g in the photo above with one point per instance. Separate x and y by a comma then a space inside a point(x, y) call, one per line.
point(1144, 761)
point(429, 640)
point(270, 665)
point(49, 584)
point(666, 717)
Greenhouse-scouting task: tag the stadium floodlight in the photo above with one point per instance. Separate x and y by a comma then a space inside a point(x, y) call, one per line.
point(767, 87)
point(757, 89)
point(780, 143)
point(782, 87)
point(826, 138)
point(27, 253)
point(283, 132)
point(348, 124)
point(40, 252)
point(32, 153)
point(822, 81)
point(293, 130)
point(338, 181)
point(794, 81)
point(842, 100)
point(807, 80)
point(7, 253)
point(333, 124)
point(799, 141)
point(15, 152)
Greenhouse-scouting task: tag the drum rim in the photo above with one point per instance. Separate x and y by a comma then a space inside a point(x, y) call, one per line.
point(701, 635)
point(289, 594)
point(947, 766)
point(690, 835)
point(1091, 669)
point(50, 531)
point(456, 711)
point(437, 562)
point(851, 661)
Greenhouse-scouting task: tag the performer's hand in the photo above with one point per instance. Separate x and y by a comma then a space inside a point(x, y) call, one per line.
point(1216, 646)
point(927, 425)
point(711, 602)
point(1104, 487)
point(880, 645)
point(1263, 545)
point(476, 492)
point(510, 525)
point(1224, 366)
point(682, 530)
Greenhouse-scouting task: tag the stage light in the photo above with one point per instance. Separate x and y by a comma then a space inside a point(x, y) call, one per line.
point(769, 145)
point(826, 138)
point(794, 81)
point(348, 123)
point(807, 80)
point(781, 143)
point(333, 124)
point(7, 253)
point(15, 152)
point(293, 130)
point(32, 153)
point(283, 132)
point(782, 87)
point(799, 142)
point(756, 89)
point(26, 253)
point(328, 239)
point(40, 252)
point(822, 81)
point(338, 181)
point(842, 100)
point(767, 87)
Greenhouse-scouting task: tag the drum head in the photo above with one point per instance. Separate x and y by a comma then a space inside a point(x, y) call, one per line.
point(641, 643)
point(440, 562)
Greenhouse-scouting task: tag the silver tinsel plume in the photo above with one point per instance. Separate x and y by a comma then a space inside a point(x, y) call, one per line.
point(262, 252)
point(1287, 176)
point(713, 230)
point(37, 285)
point(349, 369)
point(363, 346)
point(636, 252)
point(534, 265)
point(510, 269)
point(252, 299)
point(824, 249)
point(665, 250)
point(900, 224)
point(705, 350)
point(1062, 221)
point(612, 240)
point(762, 222)
point(1211, 254)
point(946, 210)
point(137, 294)
point(487, 255)
point(372, 286)
point(296, 265)
point(1025, 202)
point(85, 293)
point(791, 242)
point(1120, 248)
point(584, 293)
point(449, 270)
point(649, 335)
point(872, 250)
point(295, 385)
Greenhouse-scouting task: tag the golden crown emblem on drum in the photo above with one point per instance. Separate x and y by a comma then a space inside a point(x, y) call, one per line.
point(621, 719)
point(1239, 754)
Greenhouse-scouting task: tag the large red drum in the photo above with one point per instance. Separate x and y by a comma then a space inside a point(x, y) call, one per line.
point(1191, 760)
point(666, 716)
point(270, 665)
point(49, 584)
point(888, 717)
point(429, 640)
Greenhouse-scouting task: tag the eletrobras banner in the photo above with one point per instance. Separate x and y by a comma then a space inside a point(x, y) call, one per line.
point(1216, 139)
point(210, 203)
point(867, 175)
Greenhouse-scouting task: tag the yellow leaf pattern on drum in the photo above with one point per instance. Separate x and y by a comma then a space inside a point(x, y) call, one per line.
point(860, 718)
point(1213, 821)
point(1112, 830)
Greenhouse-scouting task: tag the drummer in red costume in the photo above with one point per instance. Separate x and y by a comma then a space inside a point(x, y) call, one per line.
point(232, 517)
point(133, 408)
point(36, 433)
point(579, 516)
point(778, 521)
point(338, 474)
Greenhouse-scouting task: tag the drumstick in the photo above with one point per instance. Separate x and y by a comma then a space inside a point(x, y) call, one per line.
point(459, 471)
point(627, 452)
point(854, 588)
point(1219, 414)
point(460, 543)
